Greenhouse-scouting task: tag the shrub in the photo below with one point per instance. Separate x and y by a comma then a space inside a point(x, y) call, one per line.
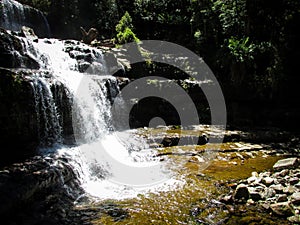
point(124, 30)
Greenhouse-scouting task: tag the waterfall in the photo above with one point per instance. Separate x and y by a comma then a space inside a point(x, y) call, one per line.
point(47, 116)
point(14, 15)
point(108, 163)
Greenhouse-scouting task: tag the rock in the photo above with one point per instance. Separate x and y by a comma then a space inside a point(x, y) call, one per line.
point(266, 206)
point(268, 181)
point(294, 180)
point(16, 15)
point(294, 219)
point(278, 188)
point(282, 173)
point(265, 174)
point(254, 174)
point(226, 199)
point(285, 164)
point(295, 198)
point(29, 33)
point(255, 196)
point(268, 193)
point(297, 185)
point(241, 192)
point(250, 202)
point(282, 198)
point(289, 190)
point(252, 179)
point(282, 209)
point(14, 52)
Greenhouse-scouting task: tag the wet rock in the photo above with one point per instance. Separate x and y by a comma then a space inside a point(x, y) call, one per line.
point(282, 198)
point(286, 163)
point(269, 193)
point(289, 189)
point(18, 121)
point(29, 33)
point(278, 188)
point(268, 181)
point(294, 180)
point(227, 199)
point(294, 219)
point(241, 193)
point(282, 173)
point(282, 209)
point(297, 185)
point(295, 198)
point(16, 15)
point(13, 52)
point(255, 196)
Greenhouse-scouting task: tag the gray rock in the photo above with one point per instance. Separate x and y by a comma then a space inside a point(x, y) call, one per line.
point(278, 188)
point(282, 209)
point(282, 198)
point(285, 164)
point(297, 185)
point(269, 193)
point(295, 198)
point(294, 180)
point(282, 173)
point(268, 181)
point(289, 190)
point(251, 179)
point(294, 219)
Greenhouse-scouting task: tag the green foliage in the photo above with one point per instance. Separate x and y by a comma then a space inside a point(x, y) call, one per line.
point(230, 14)
point(241, 49)
point(106, 15)
point(124, 30)
point(125, 22)
point(126, 36)
point(163, 11)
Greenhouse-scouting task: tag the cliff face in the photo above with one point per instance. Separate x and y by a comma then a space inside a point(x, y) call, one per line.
point(30, 101)
point(19, 129)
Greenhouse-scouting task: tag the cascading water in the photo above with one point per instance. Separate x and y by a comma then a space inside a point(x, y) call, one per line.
point(108, 163)
point(47, 115)
point(15, 15)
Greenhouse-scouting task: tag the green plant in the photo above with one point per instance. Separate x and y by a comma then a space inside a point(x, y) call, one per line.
point(241, 49)
point(124, 30)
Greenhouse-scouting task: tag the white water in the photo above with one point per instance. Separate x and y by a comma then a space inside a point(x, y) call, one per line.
point(108, 164)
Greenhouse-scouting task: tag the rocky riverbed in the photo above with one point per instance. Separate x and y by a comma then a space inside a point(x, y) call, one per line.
point(244, 181)
point(276, 191)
